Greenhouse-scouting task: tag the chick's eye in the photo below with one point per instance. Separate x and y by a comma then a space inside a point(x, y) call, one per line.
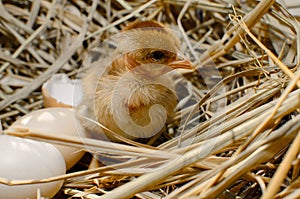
point(157, 55)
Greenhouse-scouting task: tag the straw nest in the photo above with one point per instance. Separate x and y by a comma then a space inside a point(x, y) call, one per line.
point(238, 133)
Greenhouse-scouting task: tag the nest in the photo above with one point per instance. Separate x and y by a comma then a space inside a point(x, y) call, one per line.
point(239, 136)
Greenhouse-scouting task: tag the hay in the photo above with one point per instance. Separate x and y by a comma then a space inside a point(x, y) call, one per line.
point(238, 135)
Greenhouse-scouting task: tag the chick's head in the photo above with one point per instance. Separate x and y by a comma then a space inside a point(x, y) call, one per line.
point(150, 49)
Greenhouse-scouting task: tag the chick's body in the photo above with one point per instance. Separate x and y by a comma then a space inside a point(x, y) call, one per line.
point(134, 95)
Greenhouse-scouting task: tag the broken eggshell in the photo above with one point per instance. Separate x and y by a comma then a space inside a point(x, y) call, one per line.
point(60, 91)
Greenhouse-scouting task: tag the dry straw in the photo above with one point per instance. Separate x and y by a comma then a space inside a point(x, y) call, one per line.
point(238, 134)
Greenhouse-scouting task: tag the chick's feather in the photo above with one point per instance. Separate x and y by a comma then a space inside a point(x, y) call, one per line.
point(123, 99)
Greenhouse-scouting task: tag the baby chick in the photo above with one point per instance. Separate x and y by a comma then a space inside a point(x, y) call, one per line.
point(133, 94)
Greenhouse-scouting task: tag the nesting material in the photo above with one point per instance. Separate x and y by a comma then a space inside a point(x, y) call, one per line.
point(235, 134)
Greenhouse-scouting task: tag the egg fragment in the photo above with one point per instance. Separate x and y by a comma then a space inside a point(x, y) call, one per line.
point(25, 159)
point(58, 121)
point(60, 91)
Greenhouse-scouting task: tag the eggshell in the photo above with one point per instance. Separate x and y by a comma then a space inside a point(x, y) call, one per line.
point(58, 121)
point(60, 91)
point(24, 159)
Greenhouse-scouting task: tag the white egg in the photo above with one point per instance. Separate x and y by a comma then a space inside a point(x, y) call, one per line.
point(25, 159)
point(58, 121)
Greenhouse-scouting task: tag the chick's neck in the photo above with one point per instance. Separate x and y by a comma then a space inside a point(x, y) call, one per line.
point(138, 88)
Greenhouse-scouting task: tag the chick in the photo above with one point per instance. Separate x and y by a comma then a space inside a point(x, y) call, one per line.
point(133, 94)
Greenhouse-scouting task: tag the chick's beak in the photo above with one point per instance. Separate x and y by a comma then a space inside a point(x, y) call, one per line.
point(181, 63)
